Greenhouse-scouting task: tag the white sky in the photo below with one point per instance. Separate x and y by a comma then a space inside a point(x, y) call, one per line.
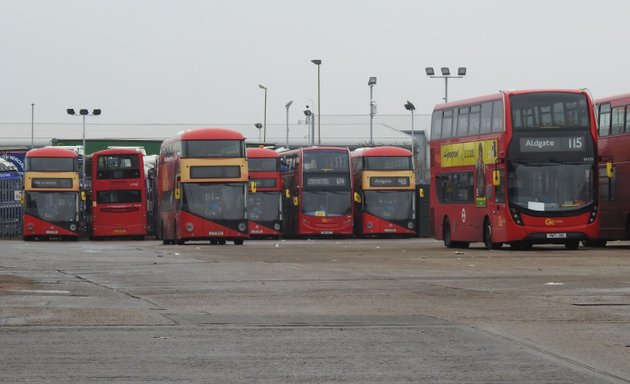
point(200, 61)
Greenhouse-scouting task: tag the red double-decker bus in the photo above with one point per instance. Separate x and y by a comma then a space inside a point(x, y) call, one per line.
point(614, 188)
point(119, 194)
point(202, 187)
point(384, 185)
point(264, 202)
point(51, 194)
point(318, 191)
point(517, 167)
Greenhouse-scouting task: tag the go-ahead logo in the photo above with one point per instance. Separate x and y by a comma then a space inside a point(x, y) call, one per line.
point(553, 222)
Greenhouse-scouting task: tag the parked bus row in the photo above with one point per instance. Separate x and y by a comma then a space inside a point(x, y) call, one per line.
point(517, 167)
point(210, 187)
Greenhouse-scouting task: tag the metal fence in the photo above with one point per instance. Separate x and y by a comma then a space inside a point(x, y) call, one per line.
point(10, 207)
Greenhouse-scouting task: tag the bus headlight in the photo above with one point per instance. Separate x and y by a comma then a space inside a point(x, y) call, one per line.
point(593, 214)
point(410, 225)
point(190, 227)
point(369, 225)
point(276, 226)
point(30, 226)
point(516, 216)
point(73, 227)
point(242, 227)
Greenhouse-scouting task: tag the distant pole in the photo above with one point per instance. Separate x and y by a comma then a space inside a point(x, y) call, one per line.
point(371, 83)
point(287, 107)
point(32, 125)
point(319, 105)
point(265, 113)
point(410, 107)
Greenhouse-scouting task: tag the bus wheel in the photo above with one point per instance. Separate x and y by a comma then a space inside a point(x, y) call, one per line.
point(487, 236)
point(521, 245)
point(594, 243)
point(239, 241)
point(572, 244)
point(221, 242)
point(446, 235)
point(214, 242)
point(180, 241)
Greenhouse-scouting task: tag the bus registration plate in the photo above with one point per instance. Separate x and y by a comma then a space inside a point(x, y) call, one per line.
point(561, 235)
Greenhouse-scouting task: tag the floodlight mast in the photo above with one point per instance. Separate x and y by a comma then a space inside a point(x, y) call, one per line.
point(446, 74)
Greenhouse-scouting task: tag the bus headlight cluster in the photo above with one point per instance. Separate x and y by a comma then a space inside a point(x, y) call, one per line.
point(73, 227)
point(30, 226)
point(593, 214)
point(242, 227)
point(410, 225)
point(516, 216)
point(190, 227)
point(276, 226)
point(369, 225)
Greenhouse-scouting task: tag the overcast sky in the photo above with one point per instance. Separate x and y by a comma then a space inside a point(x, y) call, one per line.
point(200, 61)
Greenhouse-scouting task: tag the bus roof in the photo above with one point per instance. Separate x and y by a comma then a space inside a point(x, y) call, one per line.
point(261, 152)
point(51, 152)
point(623, 98)
point(118, 151)
point(499, 95)
point(211, 134)
point(383, 151)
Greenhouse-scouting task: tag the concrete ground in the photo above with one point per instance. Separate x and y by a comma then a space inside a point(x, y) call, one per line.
point(312, 311)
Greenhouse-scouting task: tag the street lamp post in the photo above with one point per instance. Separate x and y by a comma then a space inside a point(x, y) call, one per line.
point(319, 105)
point(371, 83)
point(446, 74)
point(258, 126)
point(311, 115)
point(410, 107)
point(32, 125)
point(287, 105)
point(265, 114)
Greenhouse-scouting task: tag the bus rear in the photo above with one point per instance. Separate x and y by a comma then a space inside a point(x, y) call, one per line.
point(264, 201)
point(51, 194)
point(384, 184)
point(614, 169)
point(119, 198)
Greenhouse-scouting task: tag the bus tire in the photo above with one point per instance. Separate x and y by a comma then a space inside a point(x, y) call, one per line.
point(446, 235)
point(238, 241)
point(487, 236)
point(572, 244)
point(594, 243)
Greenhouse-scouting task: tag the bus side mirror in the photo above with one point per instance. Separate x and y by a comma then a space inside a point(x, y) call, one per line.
point(178, 194)
point(252, 186)
point(609, 170)
point(496, 178)
point(357, 198)
point(295, 201)
point(287, 193)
